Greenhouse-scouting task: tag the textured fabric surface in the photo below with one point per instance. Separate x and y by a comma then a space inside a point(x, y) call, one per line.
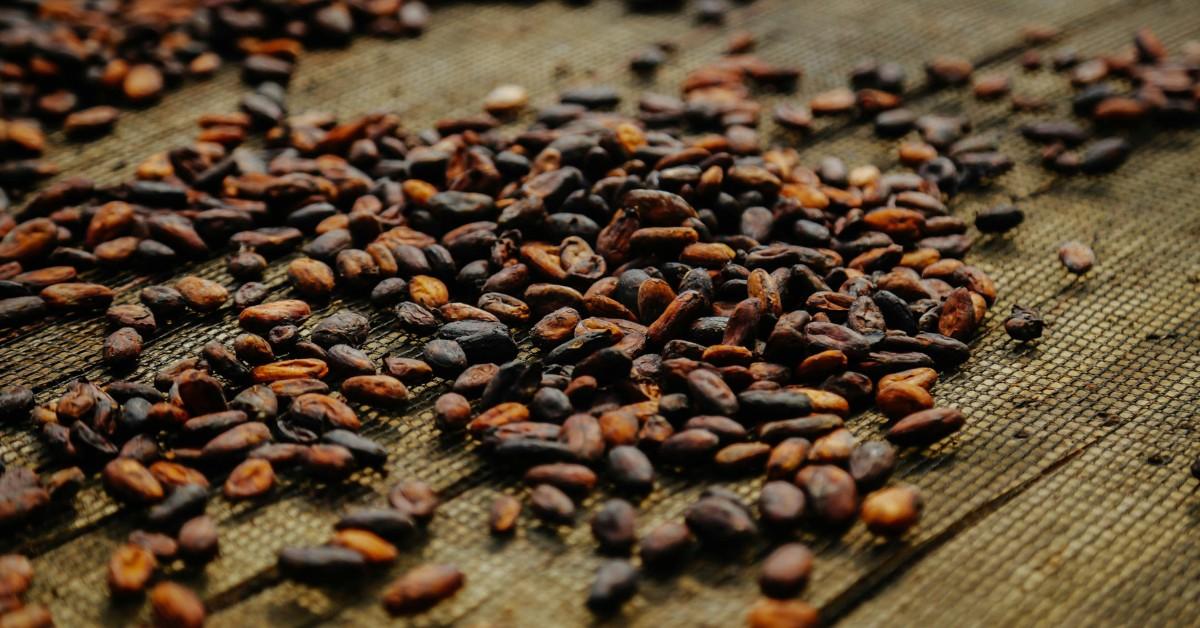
point(1065, 499)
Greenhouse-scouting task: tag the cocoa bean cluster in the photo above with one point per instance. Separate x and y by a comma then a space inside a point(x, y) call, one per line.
point(72, 65)
point(607, 298)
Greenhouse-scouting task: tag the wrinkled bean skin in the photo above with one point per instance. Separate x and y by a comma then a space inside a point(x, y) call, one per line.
point(831, 493)
point(785, 571)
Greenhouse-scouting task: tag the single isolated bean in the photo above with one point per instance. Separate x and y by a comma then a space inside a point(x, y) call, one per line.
point(422, 588)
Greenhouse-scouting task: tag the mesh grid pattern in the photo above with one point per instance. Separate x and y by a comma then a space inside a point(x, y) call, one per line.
point(1066, 497)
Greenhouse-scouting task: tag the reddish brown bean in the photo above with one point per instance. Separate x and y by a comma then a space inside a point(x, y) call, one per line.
point(421, 588)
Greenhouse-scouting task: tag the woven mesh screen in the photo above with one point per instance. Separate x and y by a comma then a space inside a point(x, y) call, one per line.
point(1065, 499)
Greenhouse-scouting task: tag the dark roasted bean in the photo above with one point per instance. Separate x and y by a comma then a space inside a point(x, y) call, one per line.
point(19, 310)
point(91, 445)
point(164, 301)
point(408, 370)
point(391, 291)
point(347, 361)
point(250, 294)
point(781, 505)
point(445, 356)
point(225, 363)
point(574, 479)
point(280, 454)
point(691, 446)
point(134, 315)
point(253, 349)
point(551, 504)
point(491, 345)
point(366, 452)
point(805, 427)
point(719, 522)
point(198, 540)
point(183, 503)
point(769, 613)
point(614, 525)
point(957, 318)
point(415, 317)
point(925, 427)
point(830, 492)
point(831, 336)
point(584, 437)
point(415, 497)
point(871, 463)
point(342, 327)
point(787, 457)
point(207, 426)
point(711, 392)
point(20, 494)
point(1024, 324)
point(785, 571)
point(324, 412)
point(64, 483)
point(615, 582)
point(321, 564)
point(15, 403)
point(200, 392)
point(665, 547)
point(452, 410)
point(161, 545)
point(999, 219)
point(653, 433)
point(246, 265)
point(551, 405)
point(1105, 155)
point(767, 405)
